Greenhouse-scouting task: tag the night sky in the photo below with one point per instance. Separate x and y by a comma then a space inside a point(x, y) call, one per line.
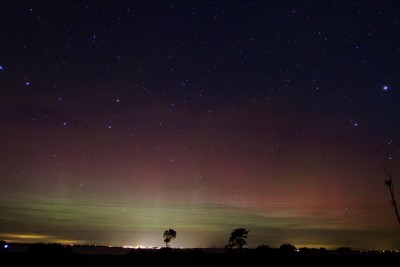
point(120, 119)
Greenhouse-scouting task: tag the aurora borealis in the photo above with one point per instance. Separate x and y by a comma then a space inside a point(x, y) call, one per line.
point(120, 120)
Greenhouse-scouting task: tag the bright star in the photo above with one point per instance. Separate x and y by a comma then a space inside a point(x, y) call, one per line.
point(27, 83)
point(1, 67)
point(385, 88)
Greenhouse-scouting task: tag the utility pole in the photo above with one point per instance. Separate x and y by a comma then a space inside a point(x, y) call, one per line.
point(389, 184)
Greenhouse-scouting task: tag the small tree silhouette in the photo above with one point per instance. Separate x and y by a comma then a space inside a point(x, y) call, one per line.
point(389, 183)
point(168, 236)
point(238, 238)
point(287, 248)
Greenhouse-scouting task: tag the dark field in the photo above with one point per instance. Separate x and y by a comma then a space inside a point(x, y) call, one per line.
point(103, 256)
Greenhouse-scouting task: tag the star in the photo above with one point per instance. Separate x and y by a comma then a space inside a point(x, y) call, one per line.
point(355, 124)
point(27, 83)
point(1, 67)
point(385, 88)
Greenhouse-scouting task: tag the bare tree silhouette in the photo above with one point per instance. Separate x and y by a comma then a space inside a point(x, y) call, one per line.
point(389, 184)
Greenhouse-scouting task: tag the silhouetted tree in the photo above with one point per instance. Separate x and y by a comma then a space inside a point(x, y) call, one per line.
point(389, 183)
point(287, 247)
point(305, 250)
point(169, 235)
point(238, 238)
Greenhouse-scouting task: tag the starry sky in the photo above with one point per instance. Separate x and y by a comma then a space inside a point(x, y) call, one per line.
point(120, 119)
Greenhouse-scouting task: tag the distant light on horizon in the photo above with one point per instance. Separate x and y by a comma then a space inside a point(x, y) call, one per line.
point(140, 247)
